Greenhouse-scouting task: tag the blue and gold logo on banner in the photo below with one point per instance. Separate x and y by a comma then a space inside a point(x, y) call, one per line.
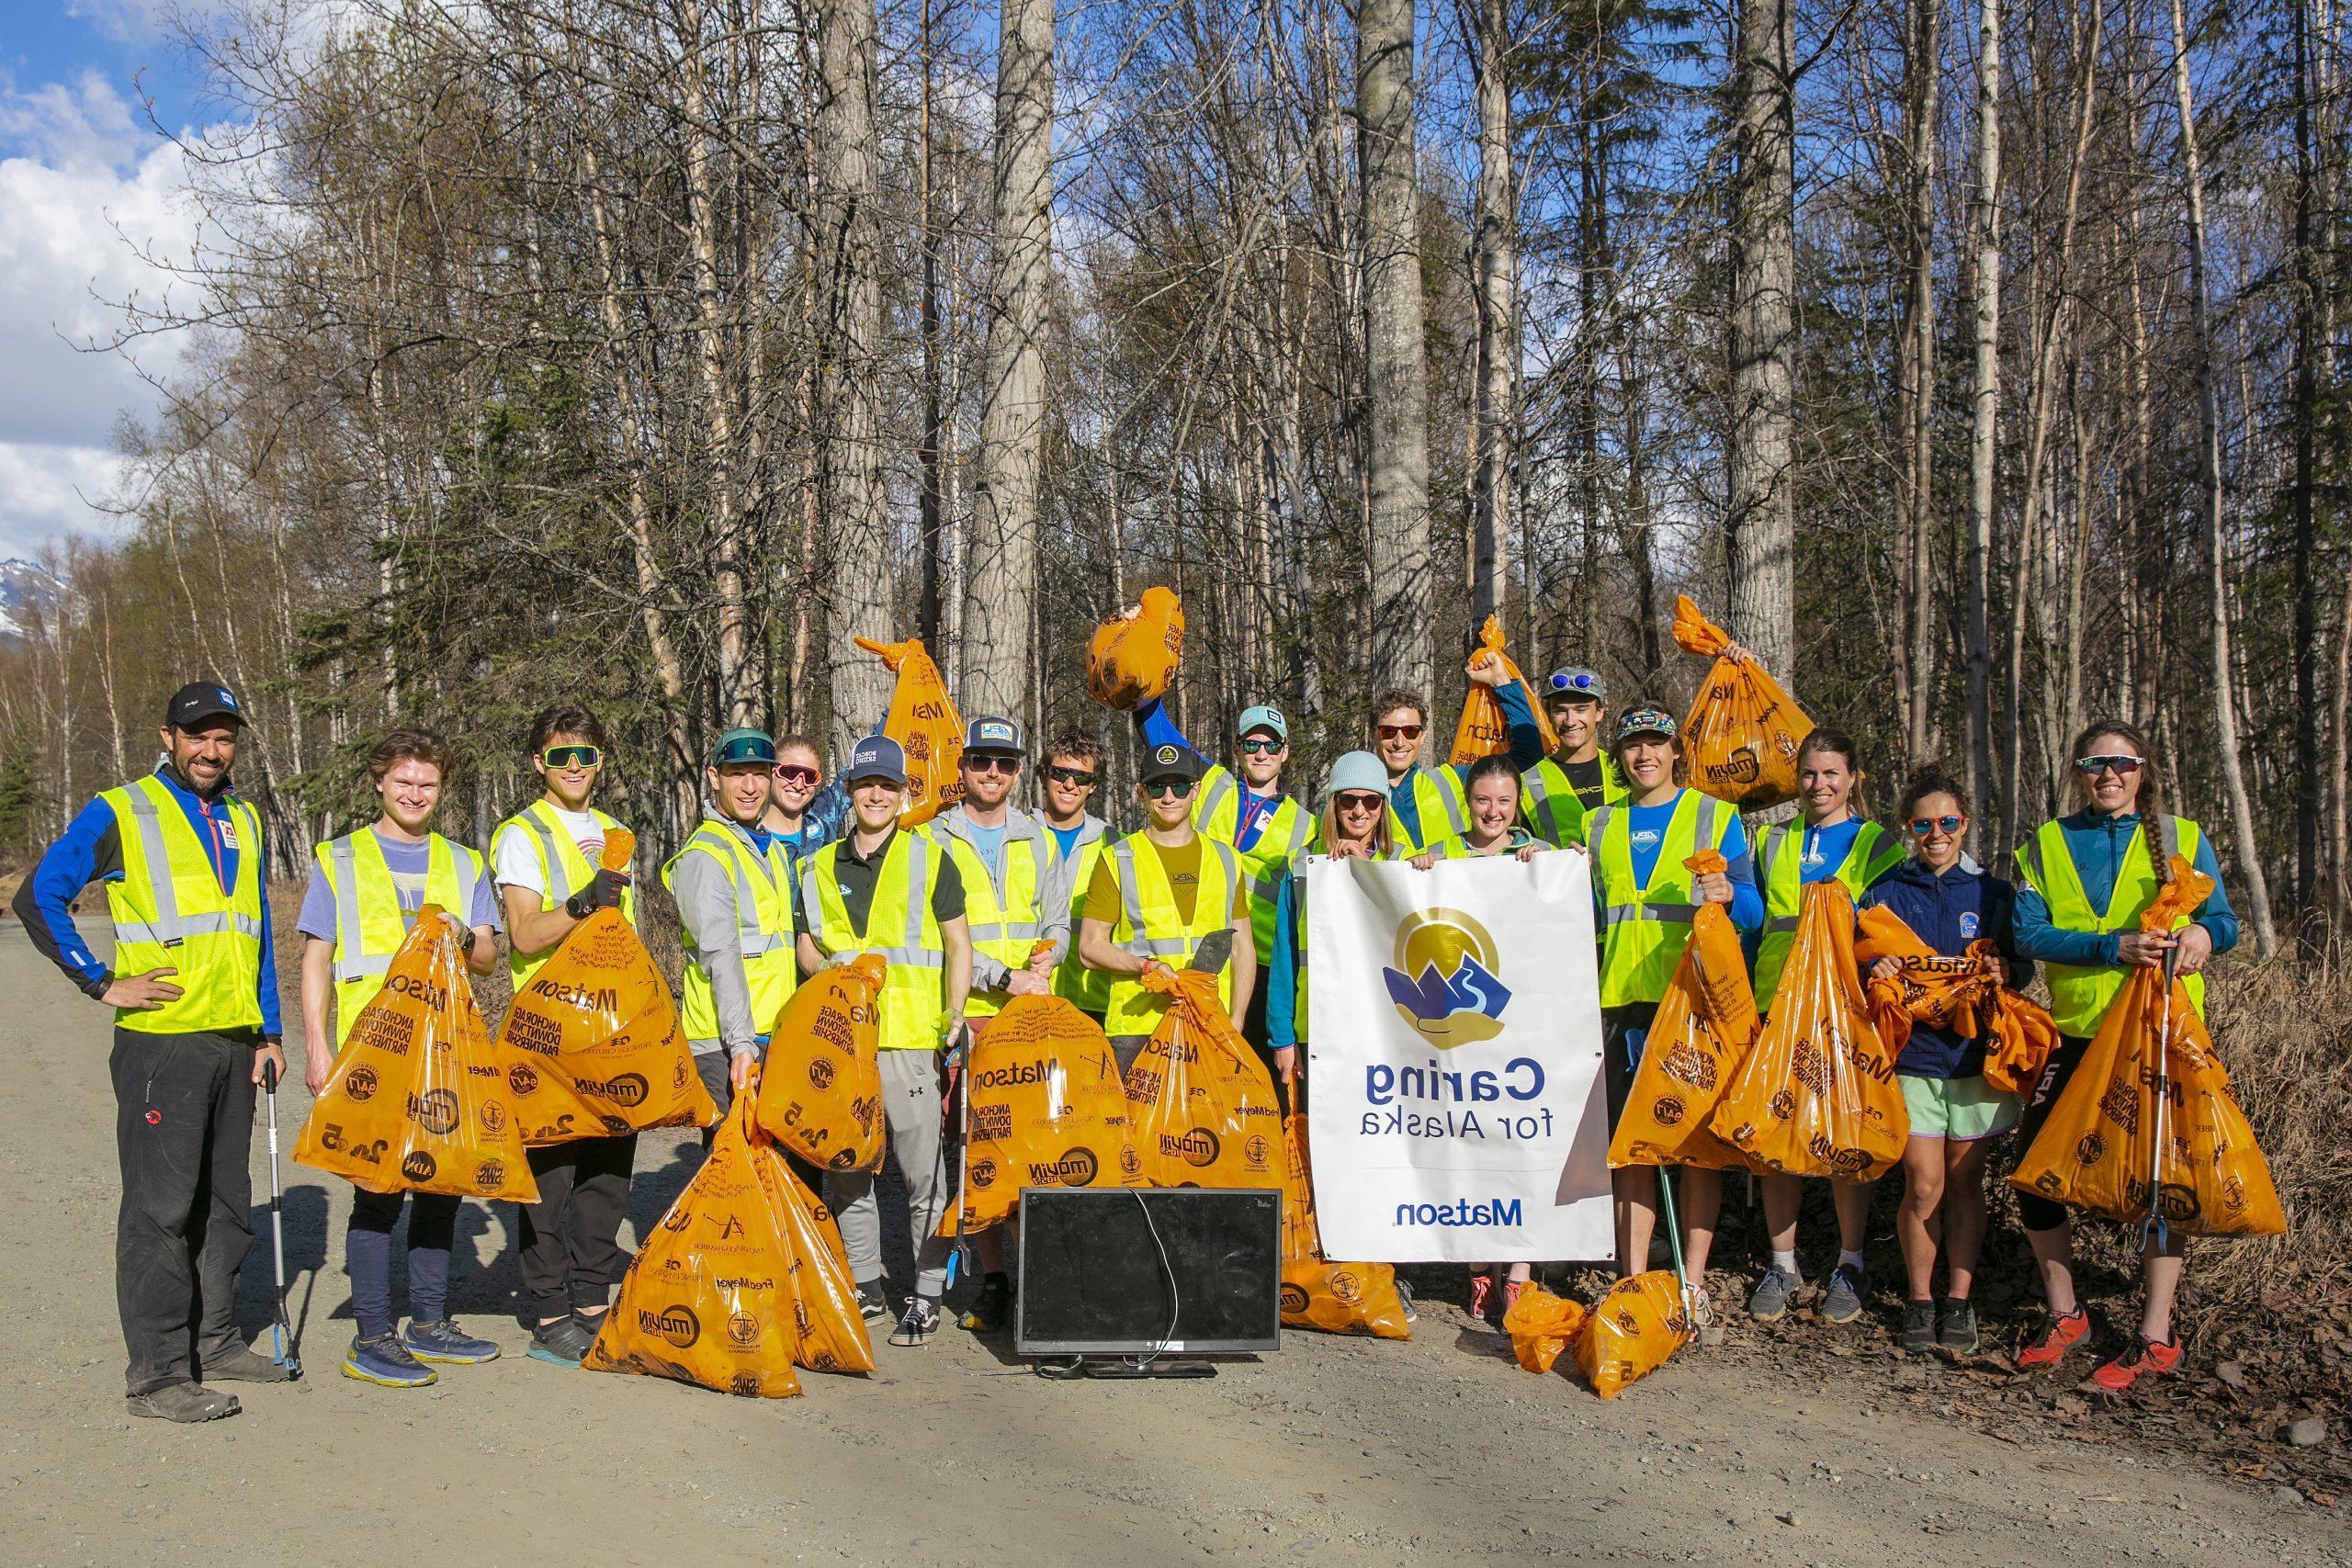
point(1443, 979)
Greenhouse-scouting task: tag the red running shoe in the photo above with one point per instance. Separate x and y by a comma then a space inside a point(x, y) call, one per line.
point(2147, 1358)
point(2058, 1335)
point(1482, 1296)
point(1511, 1293)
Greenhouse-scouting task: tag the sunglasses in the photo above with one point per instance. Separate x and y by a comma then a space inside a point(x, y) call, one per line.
point(1163, 789)
point(1078, 776)
point(2109, 763)
point(572, 756)
point(1922, 825)
point(1397, 731)
point(1353, 802)
point(747, 749)
point(1262, 748)
point(795, 774)
point(991, 764)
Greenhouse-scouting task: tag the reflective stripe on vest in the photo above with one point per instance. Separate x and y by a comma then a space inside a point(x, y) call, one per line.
point(1438, 789)
point(763, 927)
point(914, 993)
point(1148, 927)
point(1266, 861)
point(370, 924)
point(1002, 908)
point(1646, 928)
point(2079, 995)
point(169, 911)
point(558, 853)
point(1073, 981)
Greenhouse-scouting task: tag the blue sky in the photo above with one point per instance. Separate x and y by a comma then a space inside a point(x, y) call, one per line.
point(82, 173)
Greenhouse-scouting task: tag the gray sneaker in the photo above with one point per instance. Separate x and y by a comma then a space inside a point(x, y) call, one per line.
point(1956, 1329)
point(1842, 1302)
point(872, 1304)
point(1918, 1327)
point(183, 1402)
point(1769, 1301)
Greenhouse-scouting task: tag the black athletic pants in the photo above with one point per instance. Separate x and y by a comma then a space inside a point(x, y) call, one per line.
point(571, 1251)
point(183, 1136)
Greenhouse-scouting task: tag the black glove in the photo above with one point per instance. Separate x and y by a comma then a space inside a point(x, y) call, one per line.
point(604, 892)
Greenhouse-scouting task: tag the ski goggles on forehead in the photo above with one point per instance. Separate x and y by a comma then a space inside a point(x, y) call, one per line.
point(2118, 762)
point(572, 756)
point(746, 749)
point(1922, 825)
point(1579, 684)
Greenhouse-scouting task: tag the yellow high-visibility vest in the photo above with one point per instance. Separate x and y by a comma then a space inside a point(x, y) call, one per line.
point(2079, 995)
point(1645, 927)
point(1089, 989)
point(764, 929)
point(1217, 813)
point(369, 925)
point(1555, 812)
point(1005, 910)
point(563, 871)
point(1150, 927)
point(1444, 810)
point(899, 929)
point(170, 911)
point(1873, 853)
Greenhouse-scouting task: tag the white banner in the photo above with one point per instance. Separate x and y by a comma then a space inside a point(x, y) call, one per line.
point(1454, 1100)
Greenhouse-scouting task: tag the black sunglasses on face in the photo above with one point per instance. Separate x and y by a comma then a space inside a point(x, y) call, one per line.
point(1078, 776)
point(992, 764)
point(1161, 789)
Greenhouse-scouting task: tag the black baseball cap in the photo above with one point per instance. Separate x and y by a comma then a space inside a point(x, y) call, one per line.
point(201, 700)
point(1173, 762)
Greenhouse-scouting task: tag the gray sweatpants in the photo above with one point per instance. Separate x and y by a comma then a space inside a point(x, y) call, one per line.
point(911, 1110)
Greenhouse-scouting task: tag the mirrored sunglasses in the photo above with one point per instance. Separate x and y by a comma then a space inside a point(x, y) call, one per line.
point(572, 756)
point(2110, 763)
point(748, 749)
point(1260, 748)
point(1922, 825)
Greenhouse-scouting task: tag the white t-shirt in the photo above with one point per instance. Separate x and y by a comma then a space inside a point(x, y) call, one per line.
point(516, 853)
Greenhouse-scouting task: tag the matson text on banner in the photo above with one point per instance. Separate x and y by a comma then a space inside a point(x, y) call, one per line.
point(1454, 1101)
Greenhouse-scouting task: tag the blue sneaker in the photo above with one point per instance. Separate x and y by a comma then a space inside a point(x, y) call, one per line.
point(1848, 1288)
point(386, 1361)
point(1769, 1302)
point(445, 1341)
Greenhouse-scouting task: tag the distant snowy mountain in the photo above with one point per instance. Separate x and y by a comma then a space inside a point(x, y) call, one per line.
point(23, 586)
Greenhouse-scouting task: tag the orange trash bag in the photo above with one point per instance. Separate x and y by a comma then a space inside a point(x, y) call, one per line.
point(1541, 1325)
point(1203, 1108)
point(1043, 1106)
point(2024, 1037)
point(1965, 995)
point(1132, 657)
point(1637, 1325)
point(2150, 1099)
point(1484, 731)
point(1338, 1298)
point(1743, 731)
point(1703, 1028)
point(418, 1100)
point(1817, 1094)
point(820, 1092)
point(825, 1314)
point(597, 1036)
point(923, 721)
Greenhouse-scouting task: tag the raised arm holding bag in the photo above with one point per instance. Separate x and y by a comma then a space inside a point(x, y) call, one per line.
point(924, 722)
point(1484, 729)
point(1743, 731)
point(1132, 657)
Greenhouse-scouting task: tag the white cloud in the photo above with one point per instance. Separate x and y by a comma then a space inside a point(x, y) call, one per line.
point(47, 492)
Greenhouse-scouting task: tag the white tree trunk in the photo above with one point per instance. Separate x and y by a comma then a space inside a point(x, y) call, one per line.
point(1760, 527)
point(1497, 243)
point(1985, 415)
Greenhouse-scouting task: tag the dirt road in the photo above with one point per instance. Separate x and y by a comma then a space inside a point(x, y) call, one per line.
point(1439, 1450)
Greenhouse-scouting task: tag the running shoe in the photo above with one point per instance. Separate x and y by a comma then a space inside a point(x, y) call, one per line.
point(920, 1321)
point(385, 1361)
point(183, 1402)
point(2147, 1358)
point(445, 1341)
point(872, 1303)
point(1482, 1297)
point(562, 1342)
point(246, 1365)
point(1918, 1327)
point(1769, 1301)
point(1850, 1286)
point(1956, 1329)
point(986, 1315)
point(1511, 1293)
point(2058, 1335)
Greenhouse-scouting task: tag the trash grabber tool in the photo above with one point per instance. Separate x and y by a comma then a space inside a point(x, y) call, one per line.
point(958, 1109)
point(2155, 1228)
point(1674, 1245)
point(281, 1332)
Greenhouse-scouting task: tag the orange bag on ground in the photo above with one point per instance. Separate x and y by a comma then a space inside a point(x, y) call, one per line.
point(1817, 1094)
point(418, 1100)
point(1541, 1325)
point(1203, 1108)
point(825, 1315)
point(1043, 1106)
point(1484, 731)
point(598, 1038)
point(1637, 1326)
point(1132, 657)
point(923, 721)
point(1338, 1298)
point(1702, 1033)
point(820, 1092)
point(1743, 732)
point(2110, 1130)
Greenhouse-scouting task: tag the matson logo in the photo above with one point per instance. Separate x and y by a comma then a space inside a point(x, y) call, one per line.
point(628, 1089)
point(1460, 1211)
point(1013, 1077)
point(1199, 1147)
point(432, 996)
point(678, 1324)
point(580, 996)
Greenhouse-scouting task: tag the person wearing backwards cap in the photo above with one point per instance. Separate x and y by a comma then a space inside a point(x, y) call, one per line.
point(1265, 827)
point(194, 988)
point(732, 879)
point(1155, 897)
point(1561, 791)
point(900, 896)
point(1643, 899)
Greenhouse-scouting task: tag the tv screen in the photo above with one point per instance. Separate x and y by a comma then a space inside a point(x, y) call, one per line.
point(1109, 1272)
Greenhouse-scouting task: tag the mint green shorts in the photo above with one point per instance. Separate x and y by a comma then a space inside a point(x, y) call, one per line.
point(1959, 1110)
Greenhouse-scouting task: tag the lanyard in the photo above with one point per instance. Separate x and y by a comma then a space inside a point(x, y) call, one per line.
point(220, 850)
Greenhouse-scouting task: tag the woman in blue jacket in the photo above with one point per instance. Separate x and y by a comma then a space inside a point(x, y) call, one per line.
point(1955, 1115)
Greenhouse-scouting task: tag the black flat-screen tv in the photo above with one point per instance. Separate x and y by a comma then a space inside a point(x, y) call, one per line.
point(1134, 1271)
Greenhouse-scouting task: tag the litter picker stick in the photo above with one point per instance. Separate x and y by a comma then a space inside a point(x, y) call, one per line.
point(281, 1332)
point(1674, 1244)
point(2155, 1228)
point(960, 1108)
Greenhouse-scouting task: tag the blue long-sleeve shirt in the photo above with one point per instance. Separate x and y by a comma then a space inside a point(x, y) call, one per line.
point(91, 850)
point(1255, 811)
point(1282, 981)
point(2098, 844)
point(1948, 913)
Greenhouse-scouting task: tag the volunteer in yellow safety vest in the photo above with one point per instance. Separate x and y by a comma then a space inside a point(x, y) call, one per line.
point(194, 988)
point(2085, 881)
point(366, 890)
point(732, 879)
point(1067, 782)
point(1836, 840)
point(1355, 823)
point(1643, 899)
point(896, 893)
point(1426, 805)
point(1155, 897)
point(545, 858)
point(1561, 790)
point(1264, 826)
